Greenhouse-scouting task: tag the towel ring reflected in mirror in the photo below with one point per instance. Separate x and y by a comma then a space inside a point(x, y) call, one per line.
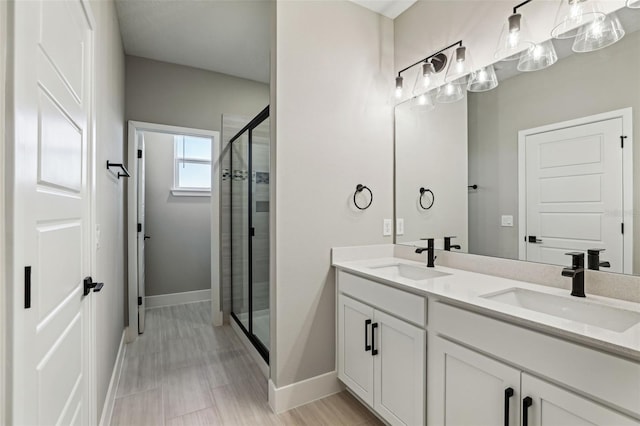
point(433, 198)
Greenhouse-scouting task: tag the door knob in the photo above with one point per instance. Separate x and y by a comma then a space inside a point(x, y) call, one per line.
point(89, 285)
point(147, 237)
point(533, 239)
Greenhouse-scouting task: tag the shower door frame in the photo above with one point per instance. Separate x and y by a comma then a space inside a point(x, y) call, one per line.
point(255, 122)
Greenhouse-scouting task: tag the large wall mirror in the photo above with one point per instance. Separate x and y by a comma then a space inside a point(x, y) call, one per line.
point(535, 167)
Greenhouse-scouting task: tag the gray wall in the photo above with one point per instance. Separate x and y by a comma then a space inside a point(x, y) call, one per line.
point(163, 93)
point(177, 255)
point(577, 86)
point(110, 260)
point(333, 130)
point(159, 92)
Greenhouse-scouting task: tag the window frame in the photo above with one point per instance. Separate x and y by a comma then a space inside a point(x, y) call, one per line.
point(178, 190)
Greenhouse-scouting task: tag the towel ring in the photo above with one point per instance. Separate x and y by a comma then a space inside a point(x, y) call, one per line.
point(360, 188)
point(433, 198)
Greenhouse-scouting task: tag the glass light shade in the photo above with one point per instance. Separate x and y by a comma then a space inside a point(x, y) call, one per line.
point(633, 4)
point(598, 34)
point(539, 57)
point(450, 92)
point(424, 78)
point(483, 79)
point(398, 91)
point(460, 66)
point(514, 39)
point(572, 15)
point(423, 102)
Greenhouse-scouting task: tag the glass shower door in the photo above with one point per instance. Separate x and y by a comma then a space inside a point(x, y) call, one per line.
point(260, 224)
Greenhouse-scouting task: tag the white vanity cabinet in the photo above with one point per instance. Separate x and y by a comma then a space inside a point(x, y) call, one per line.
point(382, 357)
point(469, 388)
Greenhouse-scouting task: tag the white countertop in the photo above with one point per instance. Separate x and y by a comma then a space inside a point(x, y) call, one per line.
point(465, 289)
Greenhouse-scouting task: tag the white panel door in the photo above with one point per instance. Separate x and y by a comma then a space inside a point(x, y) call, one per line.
point(141, 233)
point(399, 370)
point(53, 80)
point(470, 389)
point(355, 360)
point(554, 406)
point(574, 193)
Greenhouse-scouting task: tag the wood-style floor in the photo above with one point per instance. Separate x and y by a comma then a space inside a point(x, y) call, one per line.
point(182, 371)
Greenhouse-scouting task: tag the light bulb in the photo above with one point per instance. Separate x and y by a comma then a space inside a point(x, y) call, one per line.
point(422, 99)
point(576, 9)
point(514, 39)
point(449, 89)
point(399, 87)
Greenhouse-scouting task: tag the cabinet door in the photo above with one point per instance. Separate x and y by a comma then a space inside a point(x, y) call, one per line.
point(554, 406)
point(467, 388)
point(355, 363)
point(399, 370)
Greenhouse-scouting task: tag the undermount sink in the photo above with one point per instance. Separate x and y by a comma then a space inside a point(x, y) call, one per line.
point(603, 316)
point(410, 272)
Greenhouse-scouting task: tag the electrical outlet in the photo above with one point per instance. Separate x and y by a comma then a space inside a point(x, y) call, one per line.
point(387, 227)
point(400, 226)
point(507, 220)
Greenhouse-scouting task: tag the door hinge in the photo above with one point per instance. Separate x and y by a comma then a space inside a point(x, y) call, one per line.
point(622, 138)
point(139, 153)
point(139, 300)
point(27, 287)
point(622, 228)
point(139, 227)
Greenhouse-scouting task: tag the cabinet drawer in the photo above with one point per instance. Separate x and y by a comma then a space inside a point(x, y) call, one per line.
point(401, 304)
point(604, 376)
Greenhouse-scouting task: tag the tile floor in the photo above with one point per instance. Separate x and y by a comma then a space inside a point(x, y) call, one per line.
point(182, 371)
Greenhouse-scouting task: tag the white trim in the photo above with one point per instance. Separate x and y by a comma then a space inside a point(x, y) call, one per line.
point(304, 392)
point(264, 367)
point(171, 299)
point(4, 318)
point(109, 401)
point(181, 192)
point(132, 220)
point(626, 114)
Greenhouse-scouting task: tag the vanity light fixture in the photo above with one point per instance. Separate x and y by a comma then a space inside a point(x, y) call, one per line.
point(423, 102)
point(514, 38)
point(603, 31)
point(398, 86)
point(451, 92)
point(571, 17)
point(460, 66)
point(424, 78)
point(539, 57)
point(431, 65)
point(483, 79)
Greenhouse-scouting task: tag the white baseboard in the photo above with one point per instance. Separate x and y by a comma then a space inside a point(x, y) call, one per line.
point(264, 367)
point(300, 393)
point(177, 298)
point(107, 408)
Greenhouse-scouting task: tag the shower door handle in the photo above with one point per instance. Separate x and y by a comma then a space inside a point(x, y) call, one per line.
point(252, 231)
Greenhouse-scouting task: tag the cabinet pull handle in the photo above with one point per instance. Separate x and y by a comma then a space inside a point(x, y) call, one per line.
point(526, 403)
point(367, 346)
point(508, 393)
point(374, 351)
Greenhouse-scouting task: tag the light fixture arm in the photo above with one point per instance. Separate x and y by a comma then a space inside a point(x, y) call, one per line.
point(515, 9)
point(458, 43)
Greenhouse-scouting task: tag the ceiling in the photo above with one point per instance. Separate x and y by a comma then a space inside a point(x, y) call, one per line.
point(230, 37)
point(226, 36)
point(389, 8)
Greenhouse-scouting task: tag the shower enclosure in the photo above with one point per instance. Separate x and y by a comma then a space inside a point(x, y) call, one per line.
point(249, 174)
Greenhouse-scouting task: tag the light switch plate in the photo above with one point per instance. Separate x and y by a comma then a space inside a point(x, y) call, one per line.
point(507, 220)
point(400, 226)
point(387, 228)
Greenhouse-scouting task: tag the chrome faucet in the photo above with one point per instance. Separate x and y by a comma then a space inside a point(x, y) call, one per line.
point(576, 273)
point(431, 258)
